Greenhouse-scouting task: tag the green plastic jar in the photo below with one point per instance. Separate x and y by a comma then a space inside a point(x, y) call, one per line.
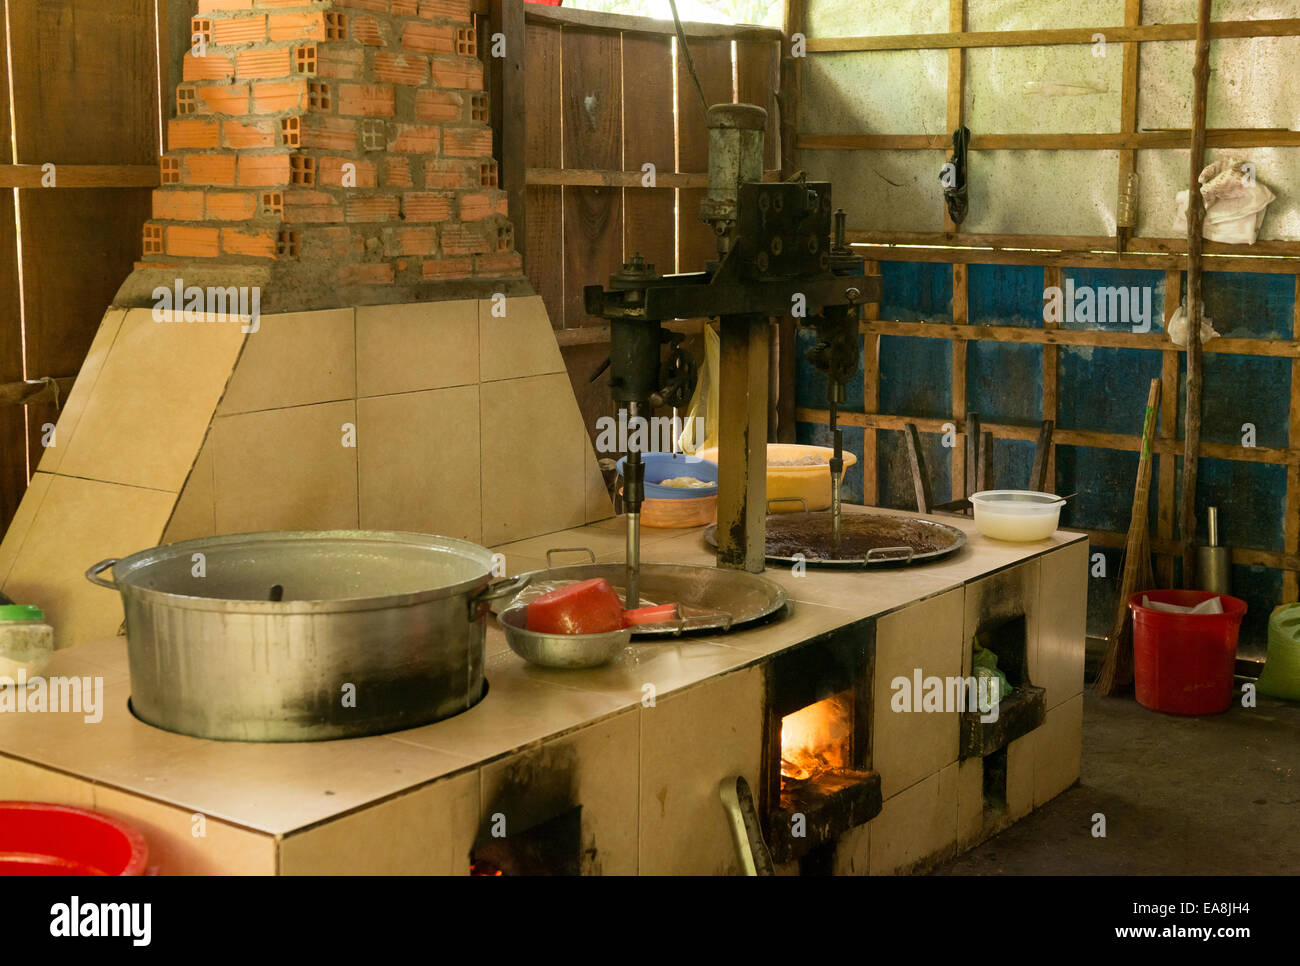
point(26, 641)
point(1281, 675)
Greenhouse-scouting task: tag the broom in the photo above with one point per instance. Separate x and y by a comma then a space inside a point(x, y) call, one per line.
point(1117, 666)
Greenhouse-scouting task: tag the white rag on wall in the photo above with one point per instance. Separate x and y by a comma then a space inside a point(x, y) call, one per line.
point(1235, 202)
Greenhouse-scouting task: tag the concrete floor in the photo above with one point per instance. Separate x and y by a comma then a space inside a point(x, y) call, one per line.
point(1217, 795)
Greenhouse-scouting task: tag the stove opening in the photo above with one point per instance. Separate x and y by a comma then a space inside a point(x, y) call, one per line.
point(817, 738)
point(552, 847)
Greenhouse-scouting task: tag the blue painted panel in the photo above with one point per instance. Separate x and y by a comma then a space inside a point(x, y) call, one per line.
point(1013, 461)
point(894, 473)
point(1142, 304)
point(818, 434)
point(1251, 498)
point(1261, 589)
point(1103, 479)
point(915, 376)
point(1006, 295)
point(1004, 382)
point(810, 382)
point(1105, 389)
point(1250, 306)
point(1103, 592)
point(916, 291)
point(1237, 390)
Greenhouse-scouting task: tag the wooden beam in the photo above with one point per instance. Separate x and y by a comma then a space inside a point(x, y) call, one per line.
point(1119, 140)
point(508, 86)
point(956, 83)
point(1167, 483)
point(742, 437)
point(1195, 222)
point(593, 178)
point(1051, 387)
point(1290, 583)
point(1268, 265)
point(1280, 27)
point(960, 317)
point(620, 23)
point(81, 176)
point(1127, 125)
point(870, 395)
point(791, 97)
point(1067, 243)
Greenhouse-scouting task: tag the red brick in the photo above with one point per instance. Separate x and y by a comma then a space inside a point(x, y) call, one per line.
point(239, 30)
point(414, 241)
point(409, 69)
point(329, 173)
point(467, 142)
point(443, 268)
point(214, 169)
point(335, 61)
point(445, 9)
point(372, 208)
point(264, 169)
point(259, 242)
point(193, 242)
point(372, 273)
point(220, 6)
point(425, 206)
point(329, 133)
point(464, 240)
point(211, 67)
point(499, 265)
point(440, 173)
point(478, 205)
point(434, 105)
point(236, 134)
point(397, 173)
point(379, 6)
point(231, 205)
point(365, 30)
point(283, 4)
point(192, 134)
point(178, 205)
point(297, 26)
point(427, 38)
point(366, 100)
point(405, 8)
point(304, 205)
point(264, 63)
point(273, 98)
point(459, 73)
point(419, 139)
point(231, 99)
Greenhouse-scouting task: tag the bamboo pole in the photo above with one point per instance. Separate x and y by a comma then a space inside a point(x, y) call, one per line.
point(1195, 222)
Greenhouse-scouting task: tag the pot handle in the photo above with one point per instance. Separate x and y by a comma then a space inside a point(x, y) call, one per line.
point(787, 499)
point(93, 573)
point(552, 552)
point(899, 554)
point(502, 588)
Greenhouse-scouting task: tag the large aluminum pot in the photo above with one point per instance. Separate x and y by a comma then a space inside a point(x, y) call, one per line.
point(303, 636)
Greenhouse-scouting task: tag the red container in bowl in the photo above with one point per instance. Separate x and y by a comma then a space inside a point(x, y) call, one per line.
point(38, 838)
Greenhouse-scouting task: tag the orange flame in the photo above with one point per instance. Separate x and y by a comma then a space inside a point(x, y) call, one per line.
point(816, 738)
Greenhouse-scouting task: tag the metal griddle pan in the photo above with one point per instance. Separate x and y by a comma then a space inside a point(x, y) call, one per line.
point(867, 540)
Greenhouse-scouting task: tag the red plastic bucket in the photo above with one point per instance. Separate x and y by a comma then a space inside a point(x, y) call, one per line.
point(42, 839)
point(1184, 663)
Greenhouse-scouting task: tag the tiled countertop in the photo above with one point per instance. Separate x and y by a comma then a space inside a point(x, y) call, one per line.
point(280, 788)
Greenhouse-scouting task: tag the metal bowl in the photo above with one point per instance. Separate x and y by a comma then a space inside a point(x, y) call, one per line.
point(560, 650)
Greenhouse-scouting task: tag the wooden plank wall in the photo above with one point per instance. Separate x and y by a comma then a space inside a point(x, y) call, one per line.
point(85, 99)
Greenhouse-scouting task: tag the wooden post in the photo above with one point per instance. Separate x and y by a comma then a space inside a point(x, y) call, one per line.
point(742, 438)
point(1195, 221)
point(508, 115)
point(791, 88)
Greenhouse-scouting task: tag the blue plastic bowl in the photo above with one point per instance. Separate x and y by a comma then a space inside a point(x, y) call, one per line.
point(664, 466)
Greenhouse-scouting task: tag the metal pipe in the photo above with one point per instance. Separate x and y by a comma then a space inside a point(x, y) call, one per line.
point(633, 492)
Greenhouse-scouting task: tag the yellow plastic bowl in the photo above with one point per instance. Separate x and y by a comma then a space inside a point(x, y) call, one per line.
point(812, 484)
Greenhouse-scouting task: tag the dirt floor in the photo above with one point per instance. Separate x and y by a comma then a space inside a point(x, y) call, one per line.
point(1217, 795)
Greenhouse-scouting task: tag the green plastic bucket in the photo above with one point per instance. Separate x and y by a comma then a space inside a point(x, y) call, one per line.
point(1281, 676)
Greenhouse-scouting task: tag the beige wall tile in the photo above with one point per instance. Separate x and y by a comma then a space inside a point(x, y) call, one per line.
point(1058, 748)
point(917, 827)
point(21, 781)
point(595, 767)
point(853, 852)
point(286, 469)
point(21, 525)
point(424, 345)
point(177, 848)
point(1020, 775)
point(970, 803)
point(79, 523)
point(428, 831)
point(419, 454)
point(909, 746)
point(295, 359)
point(534, 473)
point(1004, 596)
point(75, 403)
point(1063, 620)
point(195, 512)
point(149, 409)
point(684, 829)
point(520, 343)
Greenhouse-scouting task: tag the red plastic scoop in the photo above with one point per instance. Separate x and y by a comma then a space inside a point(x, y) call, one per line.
point(587, 607)
point(659, 614)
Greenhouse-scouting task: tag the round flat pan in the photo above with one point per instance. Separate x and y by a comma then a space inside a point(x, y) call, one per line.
point(710, 598)
point(867, 540)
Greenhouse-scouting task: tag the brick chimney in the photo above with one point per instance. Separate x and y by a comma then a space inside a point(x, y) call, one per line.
point(332, 152)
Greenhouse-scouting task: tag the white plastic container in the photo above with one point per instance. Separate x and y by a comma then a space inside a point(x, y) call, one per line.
point(1018, 516)
point(26, 641)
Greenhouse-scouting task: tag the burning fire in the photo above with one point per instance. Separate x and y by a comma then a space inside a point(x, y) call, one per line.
point(816, 738)
point(484, 867)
